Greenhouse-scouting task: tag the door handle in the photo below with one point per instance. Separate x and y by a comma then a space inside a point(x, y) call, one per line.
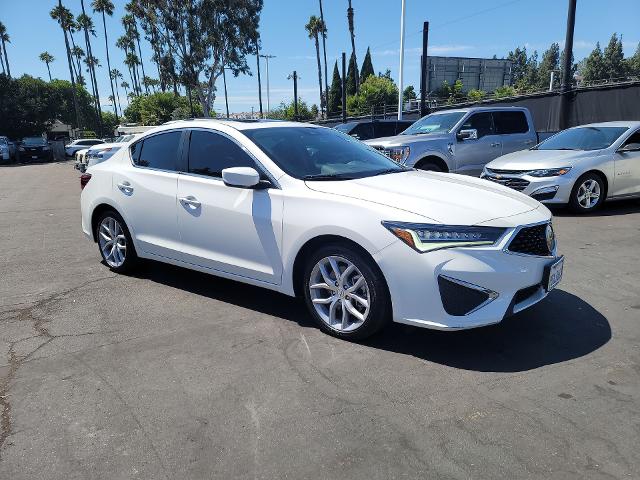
point(190, 201)
point(495, 144)
point(125, 187)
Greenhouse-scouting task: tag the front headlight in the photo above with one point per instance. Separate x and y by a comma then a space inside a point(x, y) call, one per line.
point(549, 172)
point(426, 237)
point(398, 154)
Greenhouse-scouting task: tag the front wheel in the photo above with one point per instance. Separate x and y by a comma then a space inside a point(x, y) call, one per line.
point(114, 242)
point(345, 293)
point(588, 193)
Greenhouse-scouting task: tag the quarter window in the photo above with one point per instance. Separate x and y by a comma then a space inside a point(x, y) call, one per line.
point(159, 151)
point(210, 153)
point(510, 122)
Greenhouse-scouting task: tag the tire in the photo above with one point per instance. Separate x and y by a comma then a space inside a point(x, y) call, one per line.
point(362, 282)
point(582, 194)
point(430, 167)
point(120, 260)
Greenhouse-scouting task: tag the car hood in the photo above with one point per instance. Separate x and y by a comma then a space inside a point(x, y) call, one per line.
point(446, 198)
point(537, 159)
point(406, 139)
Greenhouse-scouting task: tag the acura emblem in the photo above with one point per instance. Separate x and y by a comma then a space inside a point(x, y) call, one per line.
point(550, 237)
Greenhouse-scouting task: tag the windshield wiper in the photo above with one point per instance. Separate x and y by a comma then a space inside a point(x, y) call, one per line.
point(329, 176)
point(388, 170)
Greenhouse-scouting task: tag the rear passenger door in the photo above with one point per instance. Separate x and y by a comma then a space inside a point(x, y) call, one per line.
point(145, 190)
point(513, 129)
point(233, 230)
point(471, 155)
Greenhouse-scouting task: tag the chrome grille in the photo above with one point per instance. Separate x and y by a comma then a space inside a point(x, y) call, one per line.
point(518, 184)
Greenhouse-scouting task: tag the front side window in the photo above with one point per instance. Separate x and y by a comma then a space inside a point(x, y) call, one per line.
point(316, 153)
point(634, 138)
point(583, 138)
point(434, 123)
point(210, 153)
point(158, 151)
point(508, 123)
point(482, 122)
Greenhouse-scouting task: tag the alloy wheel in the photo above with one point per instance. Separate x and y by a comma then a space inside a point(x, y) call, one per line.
point(339, 293)
point(112, 241)
point(588, 193)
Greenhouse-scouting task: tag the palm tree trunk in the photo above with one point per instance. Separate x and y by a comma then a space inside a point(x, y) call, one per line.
point(6, 57)
point(49, 70)
point(324, 52)
point(92, 71)
point(73, 81)
point(106, 46)
point(146, 88)
point(319, 74)
point(353, 44)
point(2, 62)
point(118, 96)
point(78, 69)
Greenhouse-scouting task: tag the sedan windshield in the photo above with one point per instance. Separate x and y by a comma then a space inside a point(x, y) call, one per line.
point(316, 153)
point(583, 138)
point(435, 123)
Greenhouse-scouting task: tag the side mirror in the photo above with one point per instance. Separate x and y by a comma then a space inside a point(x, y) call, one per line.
point(242, 177)
point(630, 147)
point(469, 134)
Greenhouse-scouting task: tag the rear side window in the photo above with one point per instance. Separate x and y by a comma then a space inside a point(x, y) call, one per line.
point(510, 122)
point(402, 126)
point(385, 129)
point(210, 153)
point(159, 151)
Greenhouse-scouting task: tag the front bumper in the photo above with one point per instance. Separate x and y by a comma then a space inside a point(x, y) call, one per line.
point(513, 282)
point(548, 190)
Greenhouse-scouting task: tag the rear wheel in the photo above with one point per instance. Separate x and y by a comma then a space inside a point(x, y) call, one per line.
point(345, 293)
point(114, 242)
point(588, 193)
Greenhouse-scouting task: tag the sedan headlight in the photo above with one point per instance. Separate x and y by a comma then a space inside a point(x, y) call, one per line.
point(549, 172)
point(426, 237)
point(398, 154)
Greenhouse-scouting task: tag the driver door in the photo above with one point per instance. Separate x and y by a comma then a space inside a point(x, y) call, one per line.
point(471, 155)
point(229, 229)
point(627, 168)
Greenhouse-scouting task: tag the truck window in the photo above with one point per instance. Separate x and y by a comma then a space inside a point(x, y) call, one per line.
point(510, 122)
point(481, 121)
point(363, 131)
point(385, 129)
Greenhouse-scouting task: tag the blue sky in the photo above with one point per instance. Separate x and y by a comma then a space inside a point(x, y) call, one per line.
point(461, 28)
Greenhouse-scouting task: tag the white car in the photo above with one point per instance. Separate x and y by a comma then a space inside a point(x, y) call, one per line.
point(309, 211)
point(81, 144)
point(582, 166)
point(100, 153)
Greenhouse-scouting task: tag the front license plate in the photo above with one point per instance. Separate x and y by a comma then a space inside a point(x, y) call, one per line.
point(554, 274)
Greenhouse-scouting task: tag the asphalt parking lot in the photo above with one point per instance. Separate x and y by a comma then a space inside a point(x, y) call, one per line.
point(175, 374)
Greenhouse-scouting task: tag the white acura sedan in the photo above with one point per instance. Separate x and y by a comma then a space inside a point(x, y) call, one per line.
point(308, 211)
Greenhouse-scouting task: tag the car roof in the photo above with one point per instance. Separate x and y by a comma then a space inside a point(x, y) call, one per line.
point(620, 123)
point(479, 109)
point(233, 123)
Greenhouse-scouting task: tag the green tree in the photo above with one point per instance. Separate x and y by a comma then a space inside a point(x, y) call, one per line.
point(633, 63)
point(519, 64)
point(367, 67)
point(286, 111)
point(47, 58)
point(335, 93)
point(352, 74)
point(314, 28)
point(135, 10)
point(408, 94)
point(4, 39)
point(550, 62)
point(158, 108)
point(105, 7)
point(614, 64)
point(594, 66)
point(475, 95)
point(374, 92)
point(505, 91)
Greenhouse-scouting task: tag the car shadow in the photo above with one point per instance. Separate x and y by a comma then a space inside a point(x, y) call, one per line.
point(560, 328)
point(618, 207)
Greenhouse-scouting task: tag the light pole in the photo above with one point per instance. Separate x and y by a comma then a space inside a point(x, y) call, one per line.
point(401, 61)
point(267, 57)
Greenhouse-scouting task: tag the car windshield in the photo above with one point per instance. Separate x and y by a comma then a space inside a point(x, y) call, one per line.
point(583, 138)
point(33, 141)
point(316, 153)
point(434, 123)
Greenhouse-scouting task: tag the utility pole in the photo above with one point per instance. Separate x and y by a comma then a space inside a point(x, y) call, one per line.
point(423, 70)
point(343, 81)
point(294, 76)
point(226, 99)
point(267, 57)
point(259, 82)
point(401, 60)
point(566, 67)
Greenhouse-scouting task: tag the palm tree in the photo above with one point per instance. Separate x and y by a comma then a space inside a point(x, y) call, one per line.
point(85, 22)
point(47, 58)
point(105, 7)
point(315, 27)
point(4, 38)
point(353, 42)
point(78, 54)
point(129, 24)
point(65, 19)
point(133, 7)
point(126, 87)
point(324, 52)
point(115, 75)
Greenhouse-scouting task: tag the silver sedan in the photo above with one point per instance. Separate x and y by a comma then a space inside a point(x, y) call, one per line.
point(582, 166)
